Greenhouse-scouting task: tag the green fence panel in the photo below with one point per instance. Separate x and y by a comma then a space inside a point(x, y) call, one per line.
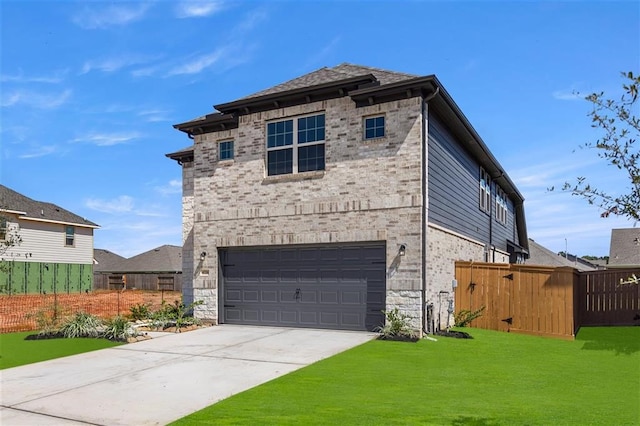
point(47, 277)
point(33, 277)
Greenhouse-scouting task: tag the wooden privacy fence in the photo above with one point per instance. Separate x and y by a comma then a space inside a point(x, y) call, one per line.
point(139, 281)
point(604, 301)
point(543, 300)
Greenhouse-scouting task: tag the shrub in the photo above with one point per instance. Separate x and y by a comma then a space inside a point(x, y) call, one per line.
point(81, 324)
point(464, 317)
point(140, 311)
point(396, 325)
point(118, 328)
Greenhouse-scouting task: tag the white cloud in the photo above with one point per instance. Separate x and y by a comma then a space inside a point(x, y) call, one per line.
point(93, 18)
point(199, 64)
point(198, 8)
point(173, 187)
point(54, 78)
point(122, 204)
point(252, 19)
point(154, 116)
point(35, 99)
point(41, 151)
point(107, 139)
point(566, 95)
point(321, 56)
point(115, 63)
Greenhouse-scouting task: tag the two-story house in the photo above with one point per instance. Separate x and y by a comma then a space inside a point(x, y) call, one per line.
point(327, 199)
point(44, 248)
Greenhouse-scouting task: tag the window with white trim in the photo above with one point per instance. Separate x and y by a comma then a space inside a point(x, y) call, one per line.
point(374, 127)
point(295, 145)
point(485, 191)
point(501, 206)
point(225, 150)
point(69, 235)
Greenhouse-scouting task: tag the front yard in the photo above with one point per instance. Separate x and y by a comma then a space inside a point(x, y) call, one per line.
point(494, 379)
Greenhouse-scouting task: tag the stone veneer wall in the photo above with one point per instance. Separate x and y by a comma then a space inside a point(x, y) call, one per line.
point(370, 191)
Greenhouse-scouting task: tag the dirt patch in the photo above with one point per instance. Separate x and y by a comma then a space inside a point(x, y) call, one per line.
point(20, 312)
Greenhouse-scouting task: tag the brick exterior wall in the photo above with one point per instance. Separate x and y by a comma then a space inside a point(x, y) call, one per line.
point(370, 191)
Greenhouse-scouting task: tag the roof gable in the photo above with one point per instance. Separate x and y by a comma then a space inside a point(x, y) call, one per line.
point(30, 209)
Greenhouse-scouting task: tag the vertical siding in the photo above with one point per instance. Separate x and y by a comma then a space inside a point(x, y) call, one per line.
point(45, 242)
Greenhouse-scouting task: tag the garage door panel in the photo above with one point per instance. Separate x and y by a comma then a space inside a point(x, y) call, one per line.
point(329, 297)
point(340, 286)
point(351, 298)
point(269, 296)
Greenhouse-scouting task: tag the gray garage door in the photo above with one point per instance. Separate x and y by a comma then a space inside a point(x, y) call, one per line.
point(332, 286)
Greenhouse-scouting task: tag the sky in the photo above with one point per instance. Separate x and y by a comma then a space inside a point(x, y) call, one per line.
point(90, 91)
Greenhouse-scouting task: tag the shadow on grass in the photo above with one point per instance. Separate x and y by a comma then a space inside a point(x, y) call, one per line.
point(621, 340)
point(473, 421)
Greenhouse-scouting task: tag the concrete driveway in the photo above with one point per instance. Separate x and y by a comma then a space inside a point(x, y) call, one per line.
point(157, 381)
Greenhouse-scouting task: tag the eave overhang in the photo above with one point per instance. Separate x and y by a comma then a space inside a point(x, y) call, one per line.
point(182, 156)
point(300, 96)
point(209, 123)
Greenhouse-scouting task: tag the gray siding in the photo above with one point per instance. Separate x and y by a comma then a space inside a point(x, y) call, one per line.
point(453, 178)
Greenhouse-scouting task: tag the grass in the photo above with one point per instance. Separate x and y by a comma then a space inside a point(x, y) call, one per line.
point(16, 351)
point(494, 379)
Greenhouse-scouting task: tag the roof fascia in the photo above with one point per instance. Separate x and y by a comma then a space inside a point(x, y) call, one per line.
point(58, 222)
point(18, 212)
point(405, 89)
point(211, 123)
point(296, 96)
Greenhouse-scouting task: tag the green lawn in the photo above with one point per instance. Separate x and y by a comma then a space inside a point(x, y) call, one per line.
point(494, 379)
point(16, 351)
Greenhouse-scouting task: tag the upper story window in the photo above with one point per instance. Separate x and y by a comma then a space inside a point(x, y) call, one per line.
point(501, 206)
point(295, 145)
point(3, 229)
point(70, 235)
point(374, 127)
point(485, 191)
point(225, 150)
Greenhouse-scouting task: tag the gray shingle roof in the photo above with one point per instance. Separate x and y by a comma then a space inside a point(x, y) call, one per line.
point(106, 261)
point(328, 75)
point(39, 210)
point(539, 255)
point(625, 247)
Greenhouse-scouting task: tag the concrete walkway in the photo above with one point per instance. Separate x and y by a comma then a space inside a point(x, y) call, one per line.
point(160, 380)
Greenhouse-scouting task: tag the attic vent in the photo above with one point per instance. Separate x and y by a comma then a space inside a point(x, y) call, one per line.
point(42, 212)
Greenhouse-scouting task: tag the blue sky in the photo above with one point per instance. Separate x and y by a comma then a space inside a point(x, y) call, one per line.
point(90, 91)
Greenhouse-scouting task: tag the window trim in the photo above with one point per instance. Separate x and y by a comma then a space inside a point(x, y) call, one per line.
point(364, 127)
point(233, 149)
point(502, 207)
point(484, 191)
point(295, 145)
point(66, 236)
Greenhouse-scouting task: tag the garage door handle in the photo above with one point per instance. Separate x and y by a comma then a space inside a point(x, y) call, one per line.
point(297, 295)
point(229, 306)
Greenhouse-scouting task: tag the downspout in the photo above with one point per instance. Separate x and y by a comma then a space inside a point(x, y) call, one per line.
point(425, 167)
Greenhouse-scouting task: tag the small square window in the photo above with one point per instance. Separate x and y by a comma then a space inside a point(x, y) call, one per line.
point(225, 150)
point(374, 127)
point(3, 229)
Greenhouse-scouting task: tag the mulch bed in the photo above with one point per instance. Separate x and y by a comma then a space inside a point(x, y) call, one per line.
point(456, 334)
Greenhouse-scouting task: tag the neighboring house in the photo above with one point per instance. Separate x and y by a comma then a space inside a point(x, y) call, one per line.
point(56, 249)
point(624, 251)
point(106, 261)
point(539, 255)
point(156, 269)
point(325, 200)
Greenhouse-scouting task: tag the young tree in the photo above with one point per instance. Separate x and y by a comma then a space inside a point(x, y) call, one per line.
point(618, 146)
